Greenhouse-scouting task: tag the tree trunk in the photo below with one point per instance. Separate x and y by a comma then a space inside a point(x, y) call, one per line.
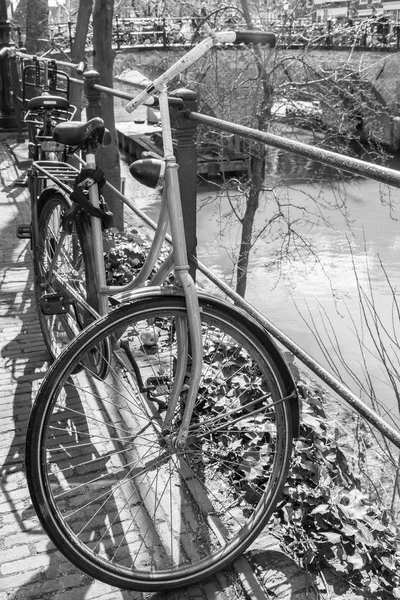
point(78, 51)
point(256, 171)
point(257, 174)
point(103, 62)
point(37, 25)
point(82, 25)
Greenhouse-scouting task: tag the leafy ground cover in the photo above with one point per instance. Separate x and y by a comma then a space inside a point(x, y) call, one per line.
point(328, 519)
point(125, 255)
point(329, 522)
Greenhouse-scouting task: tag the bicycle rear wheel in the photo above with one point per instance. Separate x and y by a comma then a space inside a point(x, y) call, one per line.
point(64, 274)
point(111, 489)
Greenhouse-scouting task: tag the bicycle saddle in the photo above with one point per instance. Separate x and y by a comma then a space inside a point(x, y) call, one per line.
point(74, 133)
point(49, 102)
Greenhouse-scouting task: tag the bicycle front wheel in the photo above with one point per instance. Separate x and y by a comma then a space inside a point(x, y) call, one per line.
point(111, 488)
point(64, 274)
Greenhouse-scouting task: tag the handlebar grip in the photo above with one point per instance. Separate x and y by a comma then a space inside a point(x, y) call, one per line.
point(255, 37)
point(81, 67)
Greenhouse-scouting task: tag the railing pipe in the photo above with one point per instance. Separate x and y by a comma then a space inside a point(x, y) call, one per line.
point(333, 159)
point(118, 93)
point(74, 80)
point(335, 384)
point(291, 35)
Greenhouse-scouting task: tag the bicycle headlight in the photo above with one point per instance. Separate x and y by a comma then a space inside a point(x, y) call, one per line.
point(148, 171)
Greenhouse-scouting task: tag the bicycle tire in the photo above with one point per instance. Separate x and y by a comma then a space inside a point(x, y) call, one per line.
point(114, 495)
point(74, 267)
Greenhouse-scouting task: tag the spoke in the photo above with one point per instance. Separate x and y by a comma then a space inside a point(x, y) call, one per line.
point(96, 420)
point(124, 505)
point(218, 460)
point(156, 506)
point(143, 504)
point(131, 501)
point(101, 457)
point(102, 477)
point(66, 449)
point(245, 407)
point(203, 501)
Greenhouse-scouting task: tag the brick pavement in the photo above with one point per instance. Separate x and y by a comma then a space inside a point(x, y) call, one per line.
point(30, 566)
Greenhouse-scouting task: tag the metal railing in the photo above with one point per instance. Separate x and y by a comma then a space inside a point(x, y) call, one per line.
point(367, 33)
point(184, 119)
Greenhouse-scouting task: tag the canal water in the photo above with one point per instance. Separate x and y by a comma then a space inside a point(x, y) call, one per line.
point(352, 232)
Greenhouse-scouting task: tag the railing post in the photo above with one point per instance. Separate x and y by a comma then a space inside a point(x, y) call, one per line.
point(90, 79)
point(164, 33)
point(17, 95)
point(329, 36)
point(71, 39)
point(7, 113)
point(184, 137)
point(117, 27)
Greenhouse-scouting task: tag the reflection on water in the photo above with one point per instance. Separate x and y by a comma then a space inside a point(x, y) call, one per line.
point(299, 170)
point(313, 297)
point(360, 235)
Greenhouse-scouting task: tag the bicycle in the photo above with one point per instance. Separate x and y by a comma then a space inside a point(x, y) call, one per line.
point(45, 92)
point(60, 234)
point(162, 470)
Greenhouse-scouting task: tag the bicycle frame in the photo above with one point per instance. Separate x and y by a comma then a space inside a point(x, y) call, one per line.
point(114, 409)
point(186, 282)
point(193, 332)
point(188, 330)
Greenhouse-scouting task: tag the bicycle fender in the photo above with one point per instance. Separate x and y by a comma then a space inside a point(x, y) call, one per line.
point(50, 192)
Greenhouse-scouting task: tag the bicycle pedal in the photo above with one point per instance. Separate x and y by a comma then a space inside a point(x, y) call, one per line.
point(24, 232)
point(54, 304)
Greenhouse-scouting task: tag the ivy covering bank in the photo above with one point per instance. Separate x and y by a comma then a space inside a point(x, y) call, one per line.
point(325, 520)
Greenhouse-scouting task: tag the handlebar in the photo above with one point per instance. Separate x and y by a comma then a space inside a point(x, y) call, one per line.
point(214, 38)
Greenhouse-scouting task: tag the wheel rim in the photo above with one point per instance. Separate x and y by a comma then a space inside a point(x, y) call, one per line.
point(123, 503)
